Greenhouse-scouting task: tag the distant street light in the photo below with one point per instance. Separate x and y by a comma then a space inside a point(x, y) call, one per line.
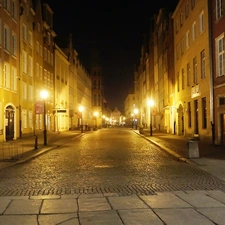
point(44, 95)
point(150, 103)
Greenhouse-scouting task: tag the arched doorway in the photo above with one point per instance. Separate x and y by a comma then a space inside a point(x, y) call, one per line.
point(9, 123)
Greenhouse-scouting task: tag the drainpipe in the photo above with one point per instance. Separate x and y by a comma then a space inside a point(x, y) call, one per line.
point(211, 71)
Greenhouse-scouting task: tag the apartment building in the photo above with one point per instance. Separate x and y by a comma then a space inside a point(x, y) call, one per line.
point(154, 75)
point(80, 89)
point(38, 67)
point(218, 61)
point(162, 111)
point(9, 69)
point(30, 63)
point(26, 72)
point(48, 63)
point(193, 86)
point(61, 90)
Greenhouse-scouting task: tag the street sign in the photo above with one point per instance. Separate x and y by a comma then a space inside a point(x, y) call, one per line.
point(39, 107)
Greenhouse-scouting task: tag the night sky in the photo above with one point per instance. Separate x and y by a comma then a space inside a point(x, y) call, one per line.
point(117, 29)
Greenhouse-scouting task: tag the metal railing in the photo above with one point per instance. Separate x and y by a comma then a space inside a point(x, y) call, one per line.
point(11, 150)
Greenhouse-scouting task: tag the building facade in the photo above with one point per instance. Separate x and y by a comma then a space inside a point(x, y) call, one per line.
point(218, 61)
point(9, 70)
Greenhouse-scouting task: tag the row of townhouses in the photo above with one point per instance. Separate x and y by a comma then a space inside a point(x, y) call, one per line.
point(43, 86)
point(182, 72)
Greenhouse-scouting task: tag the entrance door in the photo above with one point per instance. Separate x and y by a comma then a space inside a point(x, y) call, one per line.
point(9, 126)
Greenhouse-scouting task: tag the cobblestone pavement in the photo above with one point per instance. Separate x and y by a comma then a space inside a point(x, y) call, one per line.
point(106, 161)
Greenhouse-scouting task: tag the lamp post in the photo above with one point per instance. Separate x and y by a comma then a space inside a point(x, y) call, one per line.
point(81, 109)
point(44, 95)
point(150, 103)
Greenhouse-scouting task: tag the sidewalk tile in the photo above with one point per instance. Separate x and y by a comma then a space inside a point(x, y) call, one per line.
point(214, 214)
point(24, 207)
point(3, 204)
point(18, 220)
point(93, 204)
point(165, 201)
point(200, 200)
point(182, 216)
point(100, 218)
point(139, 217)
point(51, 206)
point(127, 202)
point(70, 218)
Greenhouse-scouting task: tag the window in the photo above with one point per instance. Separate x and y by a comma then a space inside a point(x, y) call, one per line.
point(189, 114)
point(24, 118)
point(188, 74)
point(24, 32)
point(178, 51)
point(195, 70)
point(7, 5)
point(30, 119)
point(24, 63)
point(192, 4)
point(14, 10)
point(181, 18)
point(203, 71)
point(204, 113)
point(38, 27)
point(186, 10)
point(187, 39)
point(41, 72)
point(194, 31)
point(6, 76)
point(14, 79)
point(30, 38)
point(14, 44)
point(220, 64)
point(37, 70)
point(219, 9)
point(45, 54)
point(178, 81)
point(49, 57)
point(201, 22)
point(30, 66)
point(30, 93)
point(222, 100)
point(183, 78)
point(6, 38)
point(24, 91)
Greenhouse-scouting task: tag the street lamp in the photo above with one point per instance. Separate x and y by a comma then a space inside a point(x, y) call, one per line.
point(150, 103)
point(44, 95)
point(81, 109)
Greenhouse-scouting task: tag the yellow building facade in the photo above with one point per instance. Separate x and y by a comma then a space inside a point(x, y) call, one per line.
point(193, 90)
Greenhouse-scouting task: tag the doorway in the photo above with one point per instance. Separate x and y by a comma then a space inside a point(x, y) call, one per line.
point(9, 123)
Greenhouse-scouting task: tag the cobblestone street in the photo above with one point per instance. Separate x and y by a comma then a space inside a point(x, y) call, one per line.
point(106, 161)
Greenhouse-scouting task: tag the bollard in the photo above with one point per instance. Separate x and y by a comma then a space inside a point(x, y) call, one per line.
point(35, 142)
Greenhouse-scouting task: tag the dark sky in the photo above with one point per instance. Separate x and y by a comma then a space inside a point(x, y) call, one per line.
point(117, 29)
